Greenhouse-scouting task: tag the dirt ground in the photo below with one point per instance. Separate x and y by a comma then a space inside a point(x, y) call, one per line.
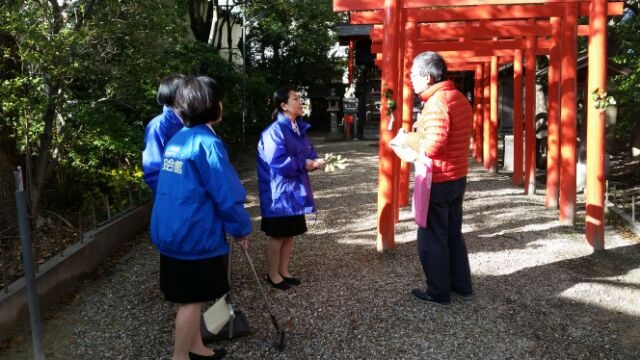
point(540, 290)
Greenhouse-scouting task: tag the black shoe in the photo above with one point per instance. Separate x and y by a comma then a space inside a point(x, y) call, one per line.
point(465, 297)
point(292, 281)
point(422, 296)
point(282, 285)
point(217, 354)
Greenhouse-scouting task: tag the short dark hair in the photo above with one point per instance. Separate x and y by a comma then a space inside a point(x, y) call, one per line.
point(430, 63)
point(280, 96)
point(167, 89)
point(198, 100)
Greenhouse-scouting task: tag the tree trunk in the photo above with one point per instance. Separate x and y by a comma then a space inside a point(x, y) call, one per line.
point(8, 160)
point(9, 69)
point(42, 166)
point(229, 37)
point(200, 15)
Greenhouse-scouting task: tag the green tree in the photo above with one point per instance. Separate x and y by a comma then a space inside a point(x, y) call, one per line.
point(87, 72)
point(625, 33)
point(291, 41)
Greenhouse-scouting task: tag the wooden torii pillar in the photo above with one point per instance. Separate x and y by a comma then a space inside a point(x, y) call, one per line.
point(597, 13)
point(597, 81)
point(388, 166)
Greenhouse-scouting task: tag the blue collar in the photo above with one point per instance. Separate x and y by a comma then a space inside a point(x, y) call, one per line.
point(171, 115)
point(302, 125)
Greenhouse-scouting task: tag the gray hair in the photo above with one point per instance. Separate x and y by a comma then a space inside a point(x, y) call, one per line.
point(430, 63)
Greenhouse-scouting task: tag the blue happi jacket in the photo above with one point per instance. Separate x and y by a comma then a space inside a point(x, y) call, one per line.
point(199, 198)
point(156, 136)
point(283, 181)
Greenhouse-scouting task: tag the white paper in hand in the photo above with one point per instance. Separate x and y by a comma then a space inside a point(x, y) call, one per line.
point(399, 146)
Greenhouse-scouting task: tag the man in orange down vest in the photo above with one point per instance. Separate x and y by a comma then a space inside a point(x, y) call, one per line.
point(442, 132)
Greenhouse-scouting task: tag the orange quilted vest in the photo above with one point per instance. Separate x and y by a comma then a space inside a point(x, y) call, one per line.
point(443, 130)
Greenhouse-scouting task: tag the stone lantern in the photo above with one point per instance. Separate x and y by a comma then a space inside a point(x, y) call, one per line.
point(333, 109)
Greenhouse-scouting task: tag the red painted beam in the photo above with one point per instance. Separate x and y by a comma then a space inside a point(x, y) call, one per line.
point(461, 67)
point(497, 12)
point(488, 12)
point(412, 4)
point(452, 61)
point(480, 51)
point(366, 17)
point(356, 5)
point(483, 12)
point(439, 33)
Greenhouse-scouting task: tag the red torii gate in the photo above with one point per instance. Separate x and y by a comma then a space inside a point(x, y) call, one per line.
point(400, 13)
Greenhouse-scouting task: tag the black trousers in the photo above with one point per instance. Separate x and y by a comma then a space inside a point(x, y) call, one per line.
point(441, 246)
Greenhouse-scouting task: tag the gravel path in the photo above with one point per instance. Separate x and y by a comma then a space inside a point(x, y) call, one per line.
point(541, 293)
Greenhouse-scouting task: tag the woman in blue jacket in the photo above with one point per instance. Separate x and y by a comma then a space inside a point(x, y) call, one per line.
point(285, 156)
point(199, 199)
point(160, 130)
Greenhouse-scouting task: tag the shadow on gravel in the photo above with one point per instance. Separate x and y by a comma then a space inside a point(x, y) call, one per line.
point(540, 293)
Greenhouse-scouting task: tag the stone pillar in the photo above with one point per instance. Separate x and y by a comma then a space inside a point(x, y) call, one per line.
point(332, 109)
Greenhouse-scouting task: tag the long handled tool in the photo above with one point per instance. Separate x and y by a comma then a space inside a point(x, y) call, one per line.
point(237, 325)
point(280, 343)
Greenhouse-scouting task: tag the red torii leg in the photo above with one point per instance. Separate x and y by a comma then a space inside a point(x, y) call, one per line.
point(486, 115)
point(517, 117)
point(568, 121)
point(478, 91)
point(596, 124)
point(493, 124)
point(407, 102)
point(386, 167)
point(529, 118)
point(553, 120)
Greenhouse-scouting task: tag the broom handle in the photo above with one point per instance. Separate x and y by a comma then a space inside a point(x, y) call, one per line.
point(229, 263)
point(255, 274)
point(230, 335)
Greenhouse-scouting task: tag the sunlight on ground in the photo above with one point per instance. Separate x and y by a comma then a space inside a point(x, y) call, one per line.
point(371, 242)
point(524, 229)
point(529, 255)
point(600, 291)
point(471, 195)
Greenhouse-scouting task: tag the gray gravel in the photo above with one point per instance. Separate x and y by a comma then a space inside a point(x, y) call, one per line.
point(541, 293)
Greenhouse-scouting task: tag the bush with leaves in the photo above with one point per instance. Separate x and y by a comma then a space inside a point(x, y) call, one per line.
point(626, 88)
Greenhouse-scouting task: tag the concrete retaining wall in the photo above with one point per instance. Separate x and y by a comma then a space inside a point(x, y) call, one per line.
point(60, 275)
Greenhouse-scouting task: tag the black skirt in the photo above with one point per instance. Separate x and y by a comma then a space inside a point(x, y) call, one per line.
point(284, 226)
point(193, 281)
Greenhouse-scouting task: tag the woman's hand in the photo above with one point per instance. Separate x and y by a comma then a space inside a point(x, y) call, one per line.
point(243, 242)
point(311, 165)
